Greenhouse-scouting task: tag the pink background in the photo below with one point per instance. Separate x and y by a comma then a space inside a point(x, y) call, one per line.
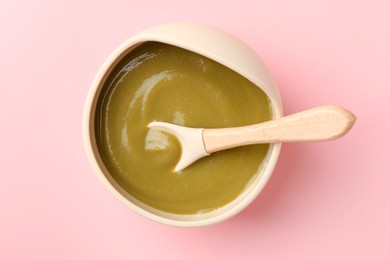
point(324, 201)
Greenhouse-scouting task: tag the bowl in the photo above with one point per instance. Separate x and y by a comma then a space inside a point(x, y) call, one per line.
point(219, 46)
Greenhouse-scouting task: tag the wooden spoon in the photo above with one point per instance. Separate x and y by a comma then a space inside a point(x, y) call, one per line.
point(316, 124)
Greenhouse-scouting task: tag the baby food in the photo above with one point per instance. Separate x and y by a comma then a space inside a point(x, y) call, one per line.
point(160, 82)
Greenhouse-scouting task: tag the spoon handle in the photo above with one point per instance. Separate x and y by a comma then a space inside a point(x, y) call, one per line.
point(316, 124)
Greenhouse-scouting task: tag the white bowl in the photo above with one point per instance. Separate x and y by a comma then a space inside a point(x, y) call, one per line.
point(216, 45)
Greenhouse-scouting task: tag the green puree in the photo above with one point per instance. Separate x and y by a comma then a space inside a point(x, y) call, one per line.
point(159, 82)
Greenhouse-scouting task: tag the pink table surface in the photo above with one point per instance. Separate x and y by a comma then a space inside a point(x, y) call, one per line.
point(324, 201)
